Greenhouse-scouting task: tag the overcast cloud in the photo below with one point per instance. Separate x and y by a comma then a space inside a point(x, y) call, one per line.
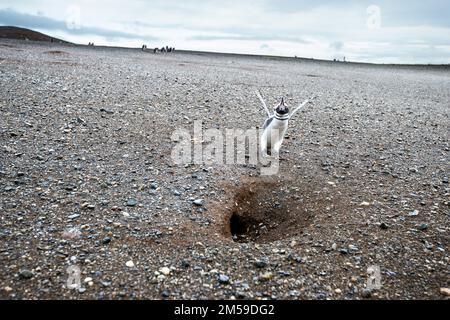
point(382, 31)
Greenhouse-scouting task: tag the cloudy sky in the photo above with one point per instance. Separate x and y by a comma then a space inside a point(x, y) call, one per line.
point(384, 31)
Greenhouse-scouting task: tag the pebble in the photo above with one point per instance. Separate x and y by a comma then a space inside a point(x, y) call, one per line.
point(132, 202)
point(445, 292)
point(165, 294)
point(106, 111)
point(198, 202)
point(224, 279)
point(384, 226)
point(414, 213)
point(365, 204)
point(366, 293)
point(423, 227)
point(154, 186)
point(106, 240)
point(165, 271)
point(260, 264)
point(266, 276)
point(130, 264)
point(26, 274)
point(71, 233)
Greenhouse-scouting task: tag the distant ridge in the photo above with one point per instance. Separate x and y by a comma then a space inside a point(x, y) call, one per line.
point(9, 32)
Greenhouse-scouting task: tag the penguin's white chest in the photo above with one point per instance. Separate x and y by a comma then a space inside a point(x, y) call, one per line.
point(273, 135)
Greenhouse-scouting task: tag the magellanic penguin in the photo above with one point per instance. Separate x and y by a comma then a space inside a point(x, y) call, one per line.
point(275, 126)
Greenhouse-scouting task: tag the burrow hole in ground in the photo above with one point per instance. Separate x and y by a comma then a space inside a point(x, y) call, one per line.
point(267, 210)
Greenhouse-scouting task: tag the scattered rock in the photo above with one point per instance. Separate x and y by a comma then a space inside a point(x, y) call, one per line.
point(132, 202)
point(154, 186)
point(165, 271)
point(445, 292)
point(384, 226)
point(366, 293)
point(107, 111)
point(365, 204)
point(130, 264)
point(266, 276)
point(423, 227)
point(198, 202)
point(26, 274)
point(413, 213)
point(260, 264)
point(165, 294)
point(224, 279)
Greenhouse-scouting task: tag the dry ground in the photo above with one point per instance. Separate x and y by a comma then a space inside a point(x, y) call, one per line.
point(86, 178)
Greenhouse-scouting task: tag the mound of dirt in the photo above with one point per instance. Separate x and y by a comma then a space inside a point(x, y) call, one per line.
point(8, 32)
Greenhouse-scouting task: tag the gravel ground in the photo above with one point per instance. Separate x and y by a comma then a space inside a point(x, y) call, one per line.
point(86, 178)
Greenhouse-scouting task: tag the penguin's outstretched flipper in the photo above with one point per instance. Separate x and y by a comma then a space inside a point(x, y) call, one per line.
point(263, 103)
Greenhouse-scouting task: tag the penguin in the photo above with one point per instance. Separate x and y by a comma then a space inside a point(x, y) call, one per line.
point(275, 126)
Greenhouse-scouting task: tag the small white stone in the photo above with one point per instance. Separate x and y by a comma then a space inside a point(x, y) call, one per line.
point(165, 271)
point(130, 264)
point(445, 292)
point(414, 213)
point(88, 279)
point(161, 277)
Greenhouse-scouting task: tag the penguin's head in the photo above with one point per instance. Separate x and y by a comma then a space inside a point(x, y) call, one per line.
point(282, 108)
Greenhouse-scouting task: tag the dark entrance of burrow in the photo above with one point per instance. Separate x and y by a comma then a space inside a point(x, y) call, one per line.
point(269, 210)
